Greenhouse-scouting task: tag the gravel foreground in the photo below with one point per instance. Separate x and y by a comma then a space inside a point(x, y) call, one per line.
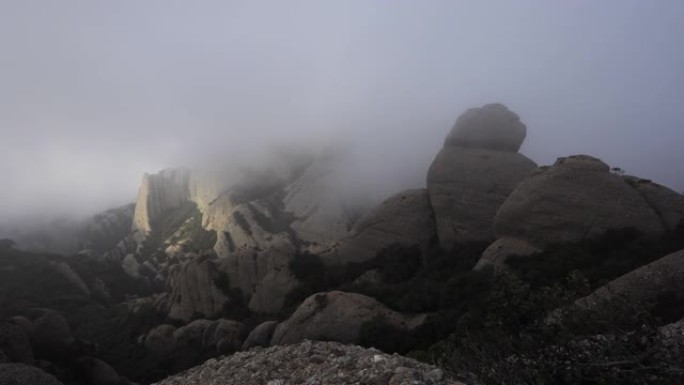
point(312, 363)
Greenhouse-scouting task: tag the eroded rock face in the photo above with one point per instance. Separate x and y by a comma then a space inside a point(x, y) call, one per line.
point(475, 172)
point(160, 341)
point(405, 218)
point(194, 291)
point(158, 194)
point(313, 363)
point(337, 316)
point(261, 335)
point(648, 286)
point(491, 127)
point(52, 333)
point(467, 186)
point(577, 198)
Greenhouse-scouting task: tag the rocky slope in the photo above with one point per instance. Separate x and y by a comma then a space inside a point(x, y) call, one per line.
point(312, 363)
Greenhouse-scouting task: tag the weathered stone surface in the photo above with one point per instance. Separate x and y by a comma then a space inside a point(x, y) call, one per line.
point(194, 290)
point(405, 218)
point(668, 204)
point(261, 335)
point(223, 337)
point(337, 316)
point(52, 333)
point(312, 363)
point(158, 194)
point(644, 286)
point(491, 127)
point(577, 198)
point(23, 374)
point(467, 187)
point(70, 276)
point(15, 343)
point(160, 341)
point(272, 290)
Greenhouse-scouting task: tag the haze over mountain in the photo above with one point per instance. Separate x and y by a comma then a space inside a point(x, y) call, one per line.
point(95, 93)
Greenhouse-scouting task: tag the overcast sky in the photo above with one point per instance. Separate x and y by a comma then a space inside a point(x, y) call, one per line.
point(94, 93)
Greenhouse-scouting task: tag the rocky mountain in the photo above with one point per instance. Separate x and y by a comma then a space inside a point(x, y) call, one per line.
point(494, 271)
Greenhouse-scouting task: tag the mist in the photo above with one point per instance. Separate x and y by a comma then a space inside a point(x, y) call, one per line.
point(95, 93)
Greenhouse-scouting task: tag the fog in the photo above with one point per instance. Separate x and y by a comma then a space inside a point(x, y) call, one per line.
point(94, 93)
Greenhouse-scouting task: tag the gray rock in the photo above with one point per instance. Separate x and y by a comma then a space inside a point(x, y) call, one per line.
point(160, 341)
point(15, 343)
point(270, 293)
point(223, 337)
point(641, 287)
point(52, 333)
point(311, 363)
point(337, 316)
point(261, 335)
point(194, 291)
point(23, 374)
point(577, 198)
point(405, 218)
point(467, 187)
point(98, 372)
point(491, 127)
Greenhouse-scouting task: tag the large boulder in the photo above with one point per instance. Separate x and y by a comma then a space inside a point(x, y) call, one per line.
point(491, 127)
point(23, 374)
point(15, 343)
point(278, 282)
point(405, 218)
point(223, 337)
point(52, 334)
point(338, 316)
point(196, 289)
point(475, 172)
point(577, 198)
point(261, 335)
point(160, 341)
point(97, 372)
point(658, 286)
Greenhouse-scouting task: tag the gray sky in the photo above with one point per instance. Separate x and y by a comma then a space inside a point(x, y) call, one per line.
point(93, 93)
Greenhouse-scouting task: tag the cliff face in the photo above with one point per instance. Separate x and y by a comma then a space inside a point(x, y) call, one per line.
point(158, 194)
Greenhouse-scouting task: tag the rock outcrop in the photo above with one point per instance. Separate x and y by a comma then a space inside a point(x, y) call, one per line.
point(313, 363)
point(646, 287)
point(475, 172)
point(338, 316)
point(261, 335)
point(158, 194)
point(578, 198)
point(405, 218)
point(15, 343)
point(196, 290)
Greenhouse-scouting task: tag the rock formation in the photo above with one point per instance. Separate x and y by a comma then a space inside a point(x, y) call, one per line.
point(195, 290)
point(405, 218)
point(261, 335)
point(313, 363)
point(338, 316)
point(578, 198)
point(645, 287)
point(475, 172)
point(158, 194)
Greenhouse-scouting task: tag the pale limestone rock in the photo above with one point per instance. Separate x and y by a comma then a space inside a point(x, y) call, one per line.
point(158, 194)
